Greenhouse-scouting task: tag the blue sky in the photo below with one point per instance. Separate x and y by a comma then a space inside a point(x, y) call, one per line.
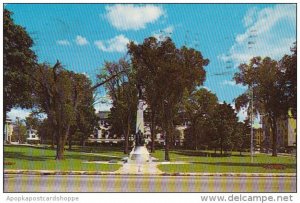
point(84, 36)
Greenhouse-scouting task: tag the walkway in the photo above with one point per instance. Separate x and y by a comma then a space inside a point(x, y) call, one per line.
point(136, 168)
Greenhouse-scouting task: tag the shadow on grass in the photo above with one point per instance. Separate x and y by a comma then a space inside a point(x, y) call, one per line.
point(22, 156)
point(206, 154)
point(95, 149)
point(67, 155)
point(287, 166)
point(90, 158)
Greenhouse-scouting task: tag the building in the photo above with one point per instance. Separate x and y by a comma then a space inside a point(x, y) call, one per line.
point(32, 136)
point(258, 137)
point(104, 130)
point(103, 133)
point(286, 134)
point(8, 130)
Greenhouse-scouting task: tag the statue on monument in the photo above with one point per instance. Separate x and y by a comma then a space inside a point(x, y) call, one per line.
point(139, 139)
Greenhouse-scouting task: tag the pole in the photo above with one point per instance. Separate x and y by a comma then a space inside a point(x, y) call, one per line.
point(18, 127)
point(251, 147)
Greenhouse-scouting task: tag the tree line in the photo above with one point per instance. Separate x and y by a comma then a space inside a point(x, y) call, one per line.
point(65, 97)
point(170, 79)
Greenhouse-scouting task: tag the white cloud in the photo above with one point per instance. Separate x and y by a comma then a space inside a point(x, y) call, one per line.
point(250, 16)
point(116, 44)
point(81, 40)
point(133, 17)
point(270, 32)
point(63, 42)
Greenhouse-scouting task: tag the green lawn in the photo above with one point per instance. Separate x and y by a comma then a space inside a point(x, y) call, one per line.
point(35, 158)
point(203, 162)
point(38, 158)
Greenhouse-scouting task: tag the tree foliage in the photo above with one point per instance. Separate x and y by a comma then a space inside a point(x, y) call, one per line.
point(67, 100)
point(263, 76)
point(18, 61)
point(199, 109)
point(165, 73)
point(123, 92)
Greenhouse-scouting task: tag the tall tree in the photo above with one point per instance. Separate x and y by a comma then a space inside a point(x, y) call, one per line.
point(18, 61)
point(65, 97)
point(123, 92)
point(82, 103)
point(263, 77)
point(199, 109)
point(224, 120)
point(165, 73)
point(288, 65)
point(241, 137)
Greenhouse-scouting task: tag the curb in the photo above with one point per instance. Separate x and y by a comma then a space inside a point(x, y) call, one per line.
point(49, 172)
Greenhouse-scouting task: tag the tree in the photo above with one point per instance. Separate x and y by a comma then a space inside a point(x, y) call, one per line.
point(224, 122)
point(66, 98)
point(288, 65)
point(19, 132)
point(241, 137)
point(165, 73)
point(45, 132)
point(32, 122)
point(83, 100)
point(123, 92)
point(199, 109)
point(18, 61)
point(263, 77)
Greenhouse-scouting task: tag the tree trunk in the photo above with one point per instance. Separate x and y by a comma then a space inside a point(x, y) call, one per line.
point(167, 157)
point(196, 137)
point(4, 118)
point(153, 127)
point(59, 149)
point(59, 145)
point(274, 137)
point(221, 146)
point(61, 140)
point(53, 140)
point(82, 140)
point(167, 134)
point(126, 143)
point(70, 141)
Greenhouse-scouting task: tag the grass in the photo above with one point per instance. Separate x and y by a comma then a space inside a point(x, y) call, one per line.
point(202, 161)
point(36, 158)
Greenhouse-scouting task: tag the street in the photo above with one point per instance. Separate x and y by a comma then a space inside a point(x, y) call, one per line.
point(119, 183)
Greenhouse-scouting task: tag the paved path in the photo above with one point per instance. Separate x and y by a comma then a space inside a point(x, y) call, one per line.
point(135, 168)
point(128, 183)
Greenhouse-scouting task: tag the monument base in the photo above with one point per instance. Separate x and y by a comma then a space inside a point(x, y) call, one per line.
point(139, 154)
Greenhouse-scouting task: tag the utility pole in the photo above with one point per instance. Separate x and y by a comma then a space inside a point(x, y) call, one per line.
point(18, 127)
point(251, 44)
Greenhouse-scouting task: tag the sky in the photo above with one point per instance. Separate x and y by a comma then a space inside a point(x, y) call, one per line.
point(84, 36)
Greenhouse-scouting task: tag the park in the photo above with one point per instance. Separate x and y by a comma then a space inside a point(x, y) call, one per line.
point(147, 119)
